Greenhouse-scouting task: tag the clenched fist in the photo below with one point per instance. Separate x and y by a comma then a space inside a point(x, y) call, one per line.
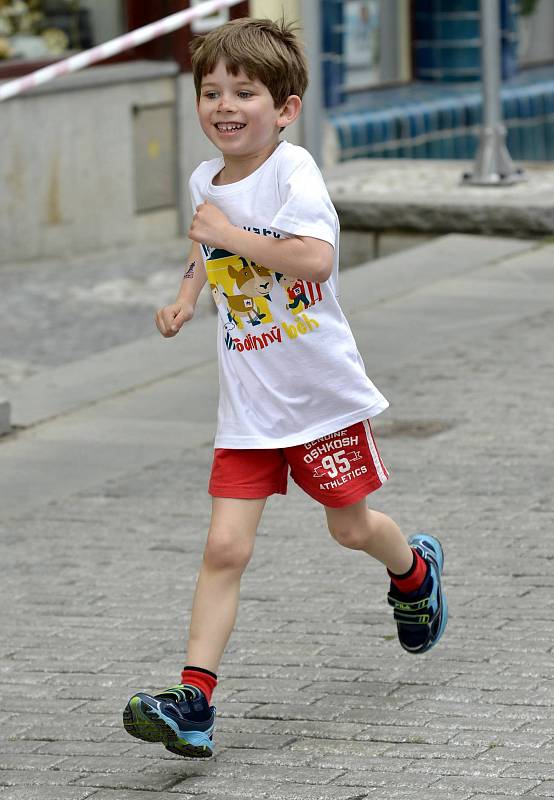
point(170, 319)
point(210, 226)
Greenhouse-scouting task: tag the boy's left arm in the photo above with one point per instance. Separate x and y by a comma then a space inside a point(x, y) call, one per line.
point(301, 256)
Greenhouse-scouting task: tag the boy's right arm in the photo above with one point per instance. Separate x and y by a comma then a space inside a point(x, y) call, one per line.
point(170, 319)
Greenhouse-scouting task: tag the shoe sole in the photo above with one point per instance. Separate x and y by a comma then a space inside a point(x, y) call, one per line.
point(143, 720)
point(439, 557)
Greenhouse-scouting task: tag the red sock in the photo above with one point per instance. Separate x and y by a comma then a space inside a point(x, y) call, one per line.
point(203, 679)
point(412, 580)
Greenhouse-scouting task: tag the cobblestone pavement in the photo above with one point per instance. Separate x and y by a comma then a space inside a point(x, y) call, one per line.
point(316, 699)
point(59, 310)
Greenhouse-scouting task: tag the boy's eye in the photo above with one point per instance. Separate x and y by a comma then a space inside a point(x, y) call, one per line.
point(243, 95)
point(210, 95)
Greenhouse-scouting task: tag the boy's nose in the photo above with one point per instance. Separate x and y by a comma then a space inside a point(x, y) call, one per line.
point(225, 103)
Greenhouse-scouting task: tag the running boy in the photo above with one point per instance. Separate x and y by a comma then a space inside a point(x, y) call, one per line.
point(293, 389)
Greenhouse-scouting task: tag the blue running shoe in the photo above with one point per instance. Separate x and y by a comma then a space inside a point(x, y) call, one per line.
point(180, 718)
point(421, 617)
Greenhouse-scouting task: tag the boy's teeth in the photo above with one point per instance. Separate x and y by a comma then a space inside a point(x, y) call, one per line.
point(229, 126)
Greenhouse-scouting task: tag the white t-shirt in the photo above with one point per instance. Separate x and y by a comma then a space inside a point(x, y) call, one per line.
point(289, 369)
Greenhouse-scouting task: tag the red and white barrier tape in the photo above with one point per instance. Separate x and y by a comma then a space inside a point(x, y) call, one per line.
point(114, 46)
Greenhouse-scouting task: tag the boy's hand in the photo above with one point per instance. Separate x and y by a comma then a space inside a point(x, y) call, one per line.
point(209, 226)
point(170, 319)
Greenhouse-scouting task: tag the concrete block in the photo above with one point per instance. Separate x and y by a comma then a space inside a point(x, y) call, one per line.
point(5, 412)
point(421, 195)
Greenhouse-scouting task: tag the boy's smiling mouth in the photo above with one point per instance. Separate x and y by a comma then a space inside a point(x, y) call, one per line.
point(229, 127)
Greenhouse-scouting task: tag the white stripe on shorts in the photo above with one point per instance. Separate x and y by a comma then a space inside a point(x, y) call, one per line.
point(374, 454)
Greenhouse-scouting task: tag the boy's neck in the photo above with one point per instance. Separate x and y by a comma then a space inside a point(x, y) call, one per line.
point(236, 169)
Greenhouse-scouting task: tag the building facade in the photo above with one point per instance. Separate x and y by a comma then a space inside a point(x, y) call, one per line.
point(103, 157)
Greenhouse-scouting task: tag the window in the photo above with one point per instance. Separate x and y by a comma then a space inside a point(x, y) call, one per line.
point(361, 43)
point(49, 29)
point(536, 32)
point(366, 43)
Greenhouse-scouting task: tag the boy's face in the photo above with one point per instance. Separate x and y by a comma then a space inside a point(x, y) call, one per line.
point(237, 114)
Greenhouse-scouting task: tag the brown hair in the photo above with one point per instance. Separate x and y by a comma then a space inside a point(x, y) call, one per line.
point(263, 49)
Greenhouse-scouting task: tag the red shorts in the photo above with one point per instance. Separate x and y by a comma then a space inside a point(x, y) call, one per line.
point(336, 470)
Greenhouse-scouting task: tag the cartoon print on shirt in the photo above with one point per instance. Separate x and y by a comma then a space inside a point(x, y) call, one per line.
point(294, 289)
point(297, 292)
point(242, 291)
point(219, 299)
point(229, 272)
point(254, 281)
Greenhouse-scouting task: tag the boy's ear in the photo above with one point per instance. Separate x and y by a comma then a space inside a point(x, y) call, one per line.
point(290, 111)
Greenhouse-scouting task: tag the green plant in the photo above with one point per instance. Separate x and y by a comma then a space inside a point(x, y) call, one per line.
point(527, 7)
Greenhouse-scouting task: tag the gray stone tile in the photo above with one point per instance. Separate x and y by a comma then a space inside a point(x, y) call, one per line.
point(43, 792)
point(153, 779)
point(316, 729)
point(212, 787)
point(29, 761)
point(131, 794)
point(399, 779)
point(522, 755)
point(545, 789)
point(532, 770)
point(399, 733)
point(31, 777)
point(500, 786)
point(76, 748)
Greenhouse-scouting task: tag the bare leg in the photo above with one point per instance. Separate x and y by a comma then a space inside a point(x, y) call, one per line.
point(360, 528)
point(228, 549)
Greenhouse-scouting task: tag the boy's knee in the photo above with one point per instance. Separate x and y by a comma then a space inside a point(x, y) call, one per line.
point(348, 534)
point(227, 548)
point(353, 527)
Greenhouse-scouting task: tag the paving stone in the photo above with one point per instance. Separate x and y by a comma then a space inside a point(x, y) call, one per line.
point(75, 748)
point(536, 769)
point(153, 779)
point(17, 746)
point(318, 730)
point(488, 797)
point(258, 741)
point(400, 779)
point(290, 791)
point(64, 732)
point(373, 763)
point(388, 793)
point(522, 754)
point(545, 789)
point(459, 766)
point(130, 794)
point(29, 777)
point(30, 761)
point(322, 747)
point(501, 786)
point(286, 757)
point(257, 789)
point(258, 773)
point(43, 792)
point(431, 751)
point(104, 763)
point(399, 733)
point(241, 725)
point(475, 728)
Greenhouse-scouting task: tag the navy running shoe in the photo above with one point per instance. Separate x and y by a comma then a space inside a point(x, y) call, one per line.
point(180, 718)
point(421, 616)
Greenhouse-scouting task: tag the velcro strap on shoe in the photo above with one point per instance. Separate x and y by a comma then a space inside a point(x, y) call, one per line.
point(411, 619)
point(410, 613)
